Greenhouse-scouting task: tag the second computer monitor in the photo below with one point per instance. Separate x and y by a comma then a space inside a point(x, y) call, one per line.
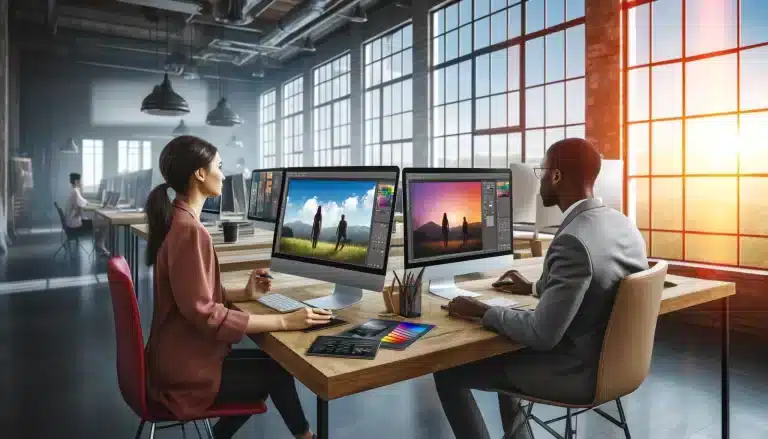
point(266, 186)
point(457, 221)
point(334, 225)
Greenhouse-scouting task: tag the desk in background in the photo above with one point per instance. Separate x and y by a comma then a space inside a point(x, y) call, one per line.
point(116, 219)
point(453, 342)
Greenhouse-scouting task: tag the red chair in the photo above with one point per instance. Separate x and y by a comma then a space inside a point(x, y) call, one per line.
point(131, 374)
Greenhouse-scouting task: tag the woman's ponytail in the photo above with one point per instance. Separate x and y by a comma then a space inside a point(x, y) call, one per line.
point(179, 160)
point(159, 211)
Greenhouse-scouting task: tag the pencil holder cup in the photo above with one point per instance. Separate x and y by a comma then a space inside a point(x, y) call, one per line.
point(410, 301)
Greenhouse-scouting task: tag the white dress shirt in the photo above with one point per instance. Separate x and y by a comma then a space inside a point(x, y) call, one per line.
point(73, 216)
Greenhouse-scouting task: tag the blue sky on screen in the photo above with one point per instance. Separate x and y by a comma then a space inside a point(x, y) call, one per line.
point(352, 198)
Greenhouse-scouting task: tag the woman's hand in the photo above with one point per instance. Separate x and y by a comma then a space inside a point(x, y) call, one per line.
point(304, 318)
point(258, 284)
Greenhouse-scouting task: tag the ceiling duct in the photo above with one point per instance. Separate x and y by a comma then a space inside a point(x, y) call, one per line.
point(231, 12)
point(295, 21)
point(183, 6)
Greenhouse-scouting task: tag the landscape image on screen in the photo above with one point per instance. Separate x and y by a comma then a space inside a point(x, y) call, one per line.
point(446, 218)
point(328, 219)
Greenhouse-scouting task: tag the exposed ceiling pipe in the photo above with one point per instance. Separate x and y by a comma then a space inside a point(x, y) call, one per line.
point(295, 21)
point(178, 72)
point(319, 21)
point(256, 9)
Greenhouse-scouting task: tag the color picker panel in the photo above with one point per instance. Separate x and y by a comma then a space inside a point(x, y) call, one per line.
point(404, 334)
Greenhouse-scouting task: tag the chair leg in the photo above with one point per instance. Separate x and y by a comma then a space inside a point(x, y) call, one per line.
point(183, 432)
point(568, 425)
point(198, 430)
point(623, 419)
point(529, 411)
point(139, 430)
point(152, 431)
point(208, 428)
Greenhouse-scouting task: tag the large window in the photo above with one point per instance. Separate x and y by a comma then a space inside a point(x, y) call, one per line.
point(293, 122)
point(331, 119)
point(388, 99)
point(267, 153)
point(696, 113)
point(507, 80)
point(93, 164)
point(134, 155)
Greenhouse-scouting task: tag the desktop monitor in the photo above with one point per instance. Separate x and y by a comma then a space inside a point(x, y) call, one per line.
point(212, 205)
point(265, 189)
point(227, 195)
point(457, 221)
point(238, 193)
point(142, 187)
point(334, 225)
point(101, 193)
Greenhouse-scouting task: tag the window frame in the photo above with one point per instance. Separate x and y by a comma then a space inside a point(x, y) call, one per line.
point(522, 89)
point(294, 157)
point(379, 89)
point(96, 151)
point(268, 160)
point(330, 105)
point(683, 60)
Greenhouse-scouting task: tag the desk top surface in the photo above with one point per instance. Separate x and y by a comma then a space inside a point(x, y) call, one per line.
point(117, 217)
point(451, 343)
point(258, 240)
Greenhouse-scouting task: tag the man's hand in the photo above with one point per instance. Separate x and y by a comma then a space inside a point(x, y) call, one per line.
point(258, 284)
point(467, 308)
point(512, 282)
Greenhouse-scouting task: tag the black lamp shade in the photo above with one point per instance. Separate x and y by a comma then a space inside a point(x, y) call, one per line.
point(163, 101)
point(181, 129)
point(223, 115)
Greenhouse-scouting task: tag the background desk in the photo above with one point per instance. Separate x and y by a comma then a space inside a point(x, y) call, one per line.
point(452, 343)
point(117, 219)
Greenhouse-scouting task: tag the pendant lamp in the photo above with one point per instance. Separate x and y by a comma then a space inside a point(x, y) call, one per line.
point(223, 115)
point(163, 101)
point(69, 147)
point(181, 129)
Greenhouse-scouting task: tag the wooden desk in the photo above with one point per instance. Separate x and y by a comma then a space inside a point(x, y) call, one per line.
point(116, 220)
point(259, 238)
point(452, 343)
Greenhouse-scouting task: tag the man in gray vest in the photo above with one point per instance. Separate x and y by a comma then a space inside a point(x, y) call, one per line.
point(593, 250)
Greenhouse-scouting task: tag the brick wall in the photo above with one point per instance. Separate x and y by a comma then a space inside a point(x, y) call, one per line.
point(603, 71)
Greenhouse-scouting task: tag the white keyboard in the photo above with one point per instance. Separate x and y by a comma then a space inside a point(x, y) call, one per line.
point(281, 303)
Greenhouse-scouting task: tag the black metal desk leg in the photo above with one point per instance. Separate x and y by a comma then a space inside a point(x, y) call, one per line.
point(724, 369)
point(127, 241)
point(135, 266)
point(322, 419)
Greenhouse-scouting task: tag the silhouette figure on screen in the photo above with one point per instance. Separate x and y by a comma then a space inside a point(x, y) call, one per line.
point(445, 230)
point(341, 234)
point(317, 225)
point(464, 232)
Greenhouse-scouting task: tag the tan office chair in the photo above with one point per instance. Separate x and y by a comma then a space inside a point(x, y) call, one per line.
point(626, 355)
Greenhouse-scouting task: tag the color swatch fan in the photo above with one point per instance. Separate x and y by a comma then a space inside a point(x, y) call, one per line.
point(404, 335)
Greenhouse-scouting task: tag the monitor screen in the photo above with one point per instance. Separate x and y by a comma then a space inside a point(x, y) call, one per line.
point(227, 195)
point(456, 214)
point(212, 205)
point(340, 217)
point(238, 193)
point(266, 185)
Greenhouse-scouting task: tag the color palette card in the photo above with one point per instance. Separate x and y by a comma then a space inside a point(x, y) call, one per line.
point(396, 335)
point(404, 334)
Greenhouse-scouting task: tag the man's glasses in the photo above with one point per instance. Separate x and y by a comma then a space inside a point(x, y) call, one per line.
point(539, 171)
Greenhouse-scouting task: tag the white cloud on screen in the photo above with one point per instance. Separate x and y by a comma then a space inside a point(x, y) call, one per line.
point(357, 210)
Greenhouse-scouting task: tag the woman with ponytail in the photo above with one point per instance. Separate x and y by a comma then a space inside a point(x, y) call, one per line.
point(189, 365)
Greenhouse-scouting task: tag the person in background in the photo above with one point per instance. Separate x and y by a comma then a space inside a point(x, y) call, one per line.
point(73, 215)
point(594, 249)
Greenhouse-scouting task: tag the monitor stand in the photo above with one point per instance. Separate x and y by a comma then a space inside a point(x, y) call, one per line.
point(343, 296)
point(447, 289)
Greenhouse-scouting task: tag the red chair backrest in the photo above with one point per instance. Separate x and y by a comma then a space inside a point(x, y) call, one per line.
point(130, 341)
